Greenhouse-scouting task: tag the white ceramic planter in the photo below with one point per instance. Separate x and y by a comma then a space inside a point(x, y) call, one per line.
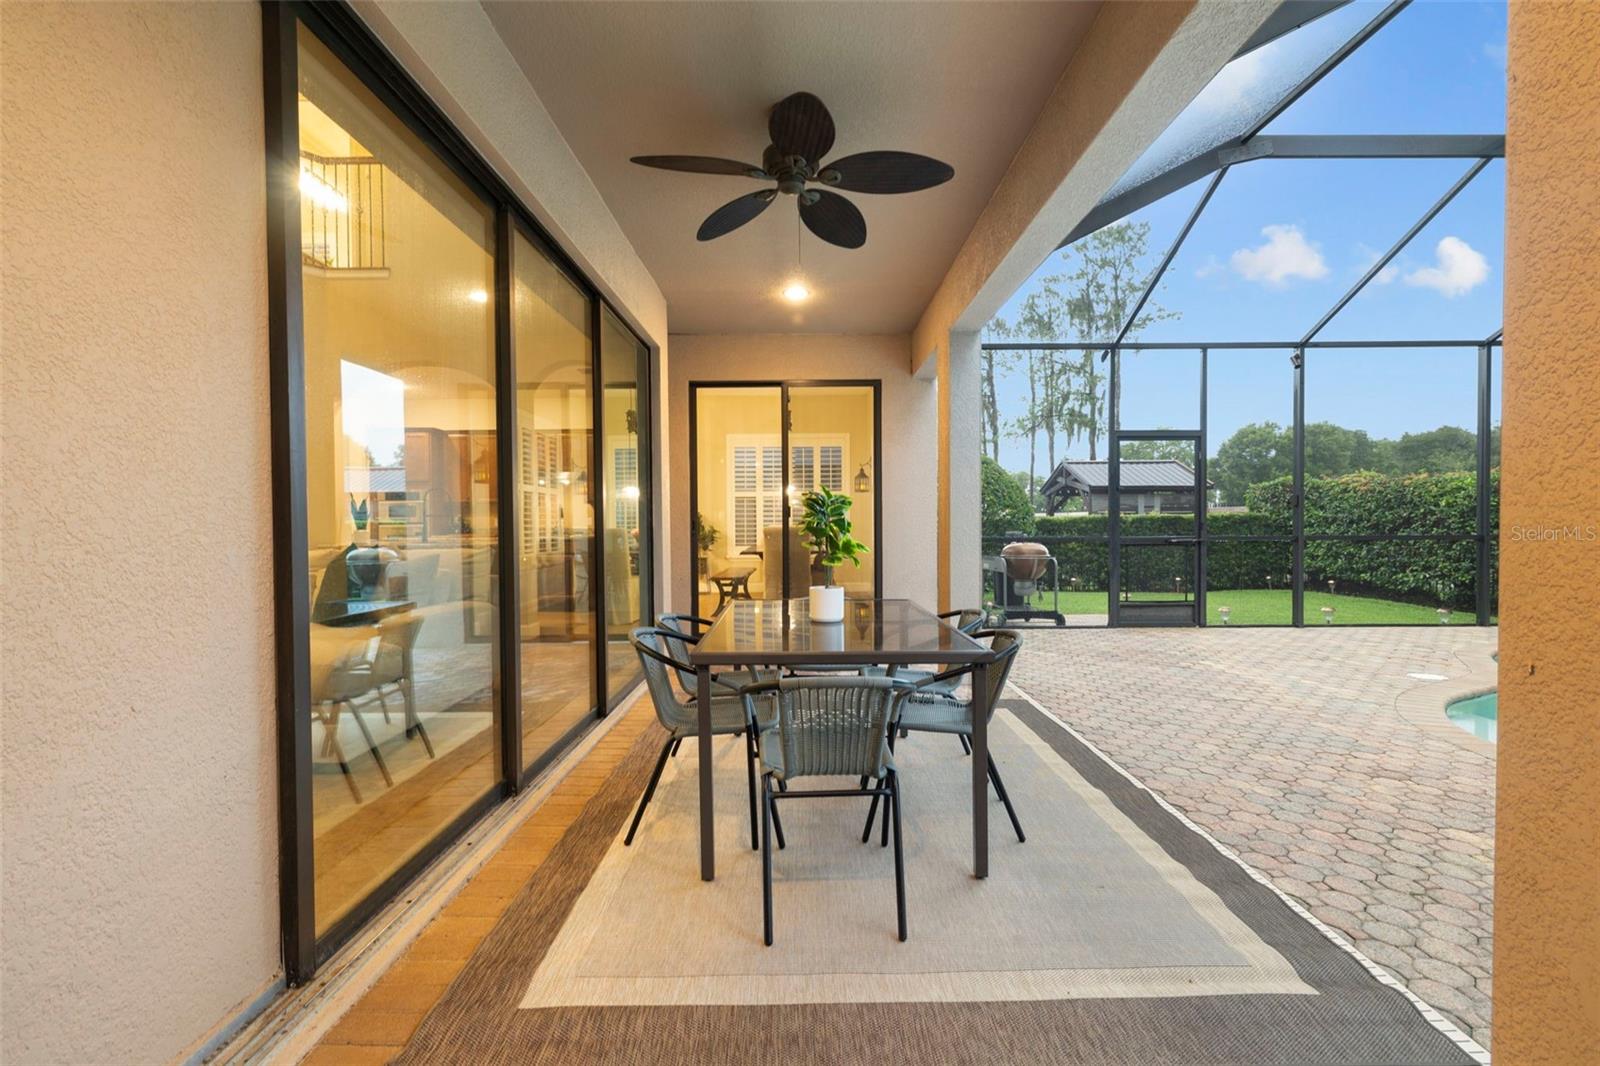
point(827, 603)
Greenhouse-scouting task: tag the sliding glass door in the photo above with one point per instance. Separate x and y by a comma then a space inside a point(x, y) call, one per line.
point(400, 486)
point(758, 449)
point(552, 338)
point(461, 472)
point(624, 428)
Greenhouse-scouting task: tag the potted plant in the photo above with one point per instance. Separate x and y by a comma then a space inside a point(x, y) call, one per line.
point(705, 538)
point(825, 525)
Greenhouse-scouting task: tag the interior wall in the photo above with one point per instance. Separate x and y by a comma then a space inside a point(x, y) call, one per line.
point(903, 473)
point(140, 895)
point(1547, 835)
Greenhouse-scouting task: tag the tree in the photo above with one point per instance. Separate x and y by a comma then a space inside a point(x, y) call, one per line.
point(988, 400)
point(1090, 300)
point(1178, 451)
point(1005, 504)
point(1332, 451)
point(1444, 450)
point(1260, 451)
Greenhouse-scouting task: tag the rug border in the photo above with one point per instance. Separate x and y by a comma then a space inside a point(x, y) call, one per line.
point(1444, 1025)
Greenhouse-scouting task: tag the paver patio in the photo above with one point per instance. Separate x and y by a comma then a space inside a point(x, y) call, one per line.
point(1316, 757)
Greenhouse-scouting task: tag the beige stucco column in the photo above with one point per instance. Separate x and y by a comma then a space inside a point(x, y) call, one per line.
point(1547, 842)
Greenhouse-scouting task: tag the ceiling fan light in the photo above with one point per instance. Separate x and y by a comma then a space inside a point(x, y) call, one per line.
point(796, 292)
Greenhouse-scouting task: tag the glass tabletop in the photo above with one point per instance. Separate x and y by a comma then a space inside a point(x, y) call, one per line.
point(873, 632)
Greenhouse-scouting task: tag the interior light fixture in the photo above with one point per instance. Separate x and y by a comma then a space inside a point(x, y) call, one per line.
point(321, 193)
point(796, 291)
point(478, 296)
point(863, 481)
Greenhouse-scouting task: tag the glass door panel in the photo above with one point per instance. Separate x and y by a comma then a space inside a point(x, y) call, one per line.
point(831, 435)
point(554, 516)
point(625, 533)
point(738, 526)
point(1156, 508)
point(1158, 584)
point(401, 485)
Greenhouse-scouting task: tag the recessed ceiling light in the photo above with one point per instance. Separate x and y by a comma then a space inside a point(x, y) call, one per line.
point(796, 292)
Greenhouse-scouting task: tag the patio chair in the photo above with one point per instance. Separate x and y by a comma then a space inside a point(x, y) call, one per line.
point(731, 715)
point(926, 709)
point(828, 727)
point(969, 620)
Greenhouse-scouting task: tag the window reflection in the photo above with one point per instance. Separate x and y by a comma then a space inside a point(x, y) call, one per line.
point(401, 486)
point(625, 538)
point(555, 522)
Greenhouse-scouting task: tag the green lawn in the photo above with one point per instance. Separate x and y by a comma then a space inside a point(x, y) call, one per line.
point(1257, 607)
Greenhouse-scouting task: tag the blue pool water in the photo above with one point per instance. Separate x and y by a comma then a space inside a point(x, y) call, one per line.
point(1478, 715)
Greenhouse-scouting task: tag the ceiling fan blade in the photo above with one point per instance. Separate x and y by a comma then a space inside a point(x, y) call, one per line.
point(800, 125)
point(735, 213)
point(834, 219)
point(701, 164)
point(885, 172)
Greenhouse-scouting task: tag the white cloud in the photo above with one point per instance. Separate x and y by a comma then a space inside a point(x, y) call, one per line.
point(1286, 254)
point(1459, 269)
point(1210, 268)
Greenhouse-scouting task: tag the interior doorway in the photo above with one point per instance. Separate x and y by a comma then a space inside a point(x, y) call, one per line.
point(757, 448)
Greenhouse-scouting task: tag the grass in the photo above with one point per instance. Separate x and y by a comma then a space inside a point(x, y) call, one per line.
point(1265, 607)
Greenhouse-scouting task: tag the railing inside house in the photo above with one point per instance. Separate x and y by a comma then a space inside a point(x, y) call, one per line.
point(342, 202)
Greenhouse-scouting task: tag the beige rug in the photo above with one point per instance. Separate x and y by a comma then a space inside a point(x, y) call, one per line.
point(1089, 906)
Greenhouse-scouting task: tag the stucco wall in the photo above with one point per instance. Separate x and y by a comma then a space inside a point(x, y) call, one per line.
point(140, 862)
point(1547, 840)
point(904, 472)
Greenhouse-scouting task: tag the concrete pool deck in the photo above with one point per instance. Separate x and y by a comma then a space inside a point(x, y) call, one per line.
point(1324, 758)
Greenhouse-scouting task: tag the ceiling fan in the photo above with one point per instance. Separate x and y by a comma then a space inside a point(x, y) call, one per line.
point(802, 134)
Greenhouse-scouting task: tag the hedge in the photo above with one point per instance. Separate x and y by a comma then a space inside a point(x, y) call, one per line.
point(1428, 572)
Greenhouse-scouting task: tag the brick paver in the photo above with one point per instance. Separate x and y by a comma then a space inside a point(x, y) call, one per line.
point(1294, 748)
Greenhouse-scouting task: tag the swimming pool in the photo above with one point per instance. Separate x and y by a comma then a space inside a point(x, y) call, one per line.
point(1478, 715)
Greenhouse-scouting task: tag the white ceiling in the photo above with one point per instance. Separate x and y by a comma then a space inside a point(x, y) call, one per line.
point(961, 82)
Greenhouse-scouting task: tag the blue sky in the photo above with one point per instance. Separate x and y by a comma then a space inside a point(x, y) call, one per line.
point(1281, 241)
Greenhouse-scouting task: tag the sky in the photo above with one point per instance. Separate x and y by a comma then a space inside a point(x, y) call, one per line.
point(1283, 240)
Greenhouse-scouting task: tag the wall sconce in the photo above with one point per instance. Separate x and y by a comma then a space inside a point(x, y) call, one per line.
point(863, 482)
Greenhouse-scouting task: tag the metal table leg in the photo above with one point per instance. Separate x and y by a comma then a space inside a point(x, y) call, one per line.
point(980, 772)
point(708, 847)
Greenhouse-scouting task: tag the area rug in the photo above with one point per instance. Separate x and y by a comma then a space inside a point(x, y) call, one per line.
point(1115, 934)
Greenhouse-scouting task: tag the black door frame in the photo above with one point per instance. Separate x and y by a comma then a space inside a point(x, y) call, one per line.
point(784, 386)
point(1194, 540)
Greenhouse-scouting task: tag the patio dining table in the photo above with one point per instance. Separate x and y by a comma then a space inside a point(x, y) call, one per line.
point(889, 633)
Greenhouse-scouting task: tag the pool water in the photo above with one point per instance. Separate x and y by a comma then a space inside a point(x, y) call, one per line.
point(1478, 715)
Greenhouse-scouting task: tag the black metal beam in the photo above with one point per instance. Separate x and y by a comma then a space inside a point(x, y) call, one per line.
point(1198, 166)
point(1298, 608)
point(1367, 146)
point(1485, 383)
point(1323, 69)
point(1166, 260)
point(1450, 194)
point(1195, 346)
